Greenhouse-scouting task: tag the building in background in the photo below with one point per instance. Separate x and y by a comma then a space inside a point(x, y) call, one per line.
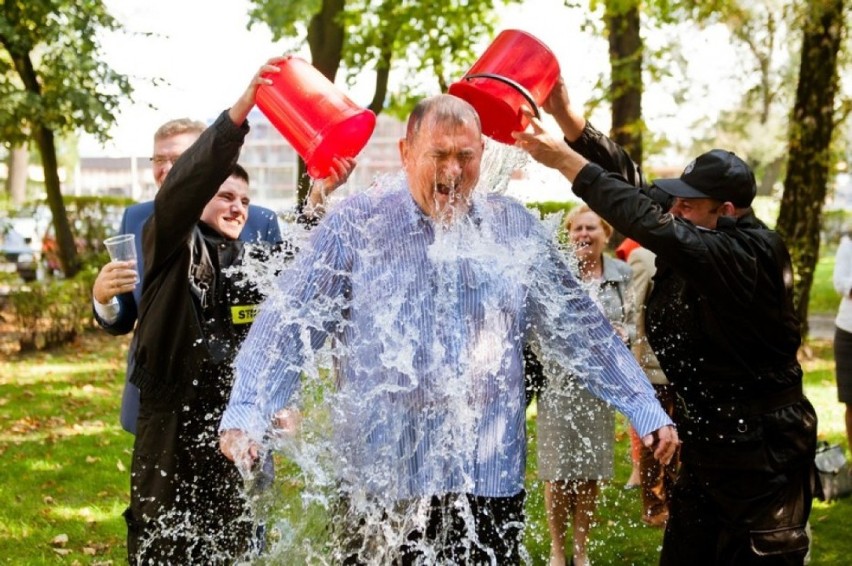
point(112, 176)
point(270, 160)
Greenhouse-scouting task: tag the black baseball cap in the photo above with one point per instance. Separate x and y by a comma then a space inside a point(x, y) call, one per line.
point(717, 174)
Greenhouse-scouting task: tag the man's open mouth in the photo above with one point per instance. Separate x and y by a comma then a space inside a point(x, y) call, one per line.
point(444, 189)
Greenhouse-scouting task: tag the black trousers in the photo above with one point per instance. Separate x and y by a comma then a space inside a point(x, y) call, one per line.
point(446, 529)
point(186, 500)
point(725, 517)
point(843, 364)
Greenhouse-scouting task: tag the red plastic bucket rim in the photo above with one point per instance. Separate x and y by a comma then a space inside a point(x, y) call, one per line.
point(517, 69)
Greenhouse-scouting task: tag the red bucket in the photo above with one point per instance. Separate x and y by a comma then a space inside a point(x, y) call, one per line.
point(318, 120)
point(516, 70)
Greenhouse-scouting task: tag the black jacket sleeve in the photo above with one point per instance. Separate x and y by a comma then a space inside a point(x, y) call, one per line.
point(599, 149)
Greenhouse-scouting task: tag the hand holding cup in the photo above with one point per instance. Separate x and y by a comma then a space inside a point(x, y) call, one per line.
point(119, 275)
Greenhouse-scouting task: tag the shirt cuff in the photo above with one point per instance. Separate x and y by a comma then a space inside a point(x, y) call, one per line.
point(648, 418)
point(107, 312)
point(245, 417)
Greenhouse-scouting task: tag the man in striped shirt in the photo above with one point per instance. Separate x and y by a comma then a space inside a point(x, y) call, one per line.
point(430, 286)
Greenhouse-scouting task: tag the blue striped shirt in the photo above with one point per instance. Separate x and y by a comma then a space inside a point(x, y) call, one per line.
point(428, 325)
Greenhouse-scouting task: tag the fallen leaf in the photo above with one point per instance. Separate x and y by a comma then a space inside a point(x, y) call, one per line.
point(47, 500)
point(60, 540)
point(89, 551)
point(120, 465)
point(62, 551)
point(92, 459)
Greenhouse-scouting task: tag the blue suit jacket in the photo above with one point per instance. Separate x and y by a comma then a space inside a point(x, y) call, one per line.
point(261, 225)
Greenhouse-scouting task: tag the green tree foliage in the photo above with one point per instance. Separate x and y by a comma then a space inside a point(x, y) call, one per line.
point(635, 62)
point(765, 30)
point(53, 81)
point(431, 43)
point(757, 128)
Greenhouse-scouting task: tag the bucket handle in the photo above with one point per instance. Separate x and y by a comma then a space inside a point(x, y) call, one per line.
point(514, 84)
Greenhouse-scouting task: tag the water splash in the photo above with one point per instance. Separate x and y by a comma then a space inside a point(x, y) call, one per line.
point(416, 407)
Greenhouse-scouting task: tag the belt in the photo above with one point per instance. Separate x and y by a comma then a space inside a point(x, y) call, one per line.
point(775, 401)
point(748, 408)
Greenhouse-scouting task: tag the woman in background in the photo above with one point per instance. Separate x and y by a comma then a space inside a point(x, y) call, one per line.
point(575, 429)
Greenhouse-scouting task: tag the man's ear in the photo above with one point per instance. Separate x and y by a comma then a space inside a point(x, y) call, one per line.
point(727, 209)
point(403, 150)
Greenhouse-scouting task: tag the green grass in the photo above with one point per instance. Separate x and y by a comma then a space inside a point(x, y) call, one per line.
point(64, 468)
point(63, 458)
point(823, 297)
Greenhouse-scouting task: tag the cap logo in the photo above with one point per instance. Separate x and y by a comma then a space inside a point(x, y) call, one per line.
point(689, 168)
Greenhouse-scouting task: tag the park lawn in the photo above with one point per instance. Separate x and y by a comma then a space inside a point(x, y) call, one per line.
point(824, 299)
point(64, 467)
point(64, 459)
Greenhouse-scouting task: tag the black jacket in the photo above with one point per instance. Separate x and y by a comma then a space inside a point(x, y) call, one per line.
point(720, 317)
point(175, 340)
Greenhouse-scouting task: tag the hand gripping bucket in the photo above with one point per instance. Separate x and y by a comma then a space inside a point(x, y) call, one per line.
point(318, 120)
point(516, 70)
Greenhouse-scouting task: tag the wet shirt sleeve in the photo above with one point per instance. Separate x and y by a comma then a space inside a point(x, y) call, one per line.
point(293, 322)
point(573, 333)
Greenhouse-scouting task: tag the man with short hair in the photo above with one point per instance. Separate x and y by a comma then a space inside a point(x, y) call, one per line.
point(720, 319)
point(429, 291)
point(117, 290)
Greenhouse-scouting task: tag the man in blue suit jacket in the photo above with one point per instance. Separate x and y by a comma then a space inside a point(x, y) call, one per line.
point(117, 290)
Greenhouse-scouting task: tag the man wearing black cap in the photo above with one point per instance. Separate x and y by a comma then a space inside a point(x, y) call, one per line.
point(720, 320)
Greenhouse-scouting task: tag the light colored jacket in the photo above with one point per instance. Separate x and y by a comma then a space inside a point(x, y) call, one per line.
point(641, 260)
point(843, 283)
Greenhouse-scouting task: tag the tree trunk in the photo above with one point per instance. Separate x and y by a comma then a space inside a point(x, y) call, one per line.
point(382, 76)
point(16, 181)
point(625, 59)
point(47, 148)
point(64, 238)
point(325, 39)
point(808, 156)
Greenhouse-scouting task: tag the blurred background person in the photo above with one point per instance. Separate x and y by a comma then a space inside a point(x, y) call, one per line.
point(843, 328)
point(576, 430)
point(656, 480)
